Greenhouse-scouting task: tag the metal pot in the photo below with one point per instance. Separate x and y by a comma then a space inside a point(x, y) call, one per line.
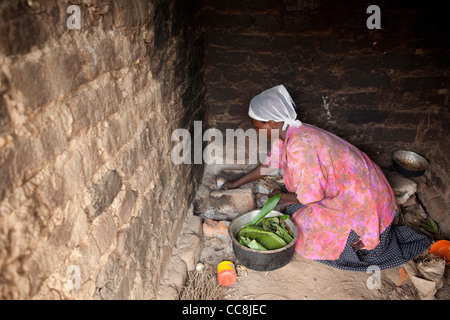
point(409, 163)
point(261, 260)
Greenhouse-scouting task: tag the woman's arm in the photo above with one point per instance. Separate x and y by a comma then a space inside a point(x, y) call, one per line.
point(285, 196)
point(256, 174)
point(253, 175)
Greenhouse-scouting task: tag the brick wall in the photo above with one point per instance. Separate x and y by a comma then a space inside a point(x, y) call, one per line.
point(381, 90)
point(87, 188)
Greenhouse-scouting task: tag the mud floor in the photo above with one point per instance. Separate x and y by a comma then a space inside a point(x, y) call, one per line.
point(303, 279)
point(300, 278)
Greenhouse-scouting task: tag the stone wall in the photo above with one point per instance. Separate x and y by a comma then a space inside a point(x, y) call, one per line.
point(381, 89)
point(90, 202)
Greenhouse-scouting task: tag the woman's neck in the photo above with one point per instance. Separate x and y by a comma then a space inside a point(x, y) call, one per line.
point(283, 134)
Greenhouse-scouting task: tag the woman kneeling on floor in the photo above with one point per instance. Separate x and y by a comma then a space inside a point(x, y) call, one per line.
point(339, 199)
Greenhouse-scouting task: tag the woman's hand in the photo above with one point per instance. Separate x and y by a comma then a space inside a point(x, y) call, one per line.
point(246, 178)
point(230, 184)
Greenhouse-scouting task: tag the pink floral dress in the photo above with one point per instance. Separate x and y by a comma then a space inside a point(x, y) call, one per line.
point(340, 188)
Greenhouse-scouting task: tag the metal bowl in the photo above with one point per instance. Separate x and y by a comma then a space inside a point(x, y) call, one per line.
point(261, 260)
point(409, 164)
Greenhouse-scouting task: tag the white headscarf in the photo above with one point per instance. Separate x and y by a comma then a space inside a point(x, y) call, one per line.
point(274, 104)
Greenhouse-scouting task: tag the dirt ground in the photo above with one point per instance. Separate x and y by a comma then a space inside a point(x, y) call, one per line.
point(306, 279)
point(303, 279)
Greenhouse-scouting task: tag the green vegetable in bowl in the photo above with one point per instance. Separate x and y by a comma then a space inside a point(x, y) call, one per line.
point(266, 233)
point(266, 209)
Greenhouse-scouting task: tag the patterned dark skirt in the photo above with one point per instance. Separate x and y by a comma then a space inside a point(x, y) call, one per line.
point(398, 244)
